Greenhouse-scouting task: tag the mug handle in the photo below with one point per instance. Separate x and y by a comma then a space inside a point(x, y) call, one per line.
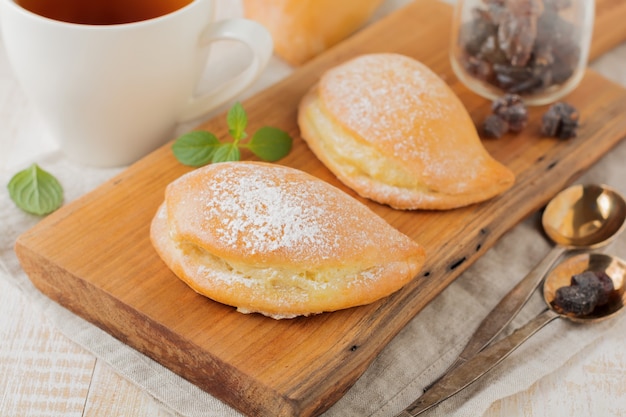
point(261, 45)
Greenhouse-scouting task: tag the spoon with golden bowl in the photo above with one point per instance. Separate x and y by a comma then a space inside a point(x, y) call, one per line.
point(564, 276)
point(581, 217)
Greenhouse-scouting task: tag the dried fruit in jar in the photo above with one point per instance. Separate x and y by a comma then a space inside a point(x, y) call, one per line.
point(517, 29)
point(520, 46)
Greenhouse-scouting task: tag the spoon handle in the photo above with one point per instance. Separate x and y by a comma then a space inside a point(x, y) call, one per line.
point(505, 311)
point(477, 366)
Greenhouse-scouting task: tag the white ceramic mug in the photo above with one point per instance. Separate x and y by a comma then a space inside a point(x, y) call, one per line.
point(109, 94)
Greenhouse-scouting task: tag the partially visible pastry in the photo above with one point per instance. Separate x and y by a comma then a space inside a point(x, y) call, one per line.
point(274, 240)
point(393, 131)
point(303, 29)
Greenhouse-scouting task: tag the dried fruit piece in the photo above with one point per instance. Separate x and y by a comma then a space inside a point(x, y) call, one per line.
point(588, 290)
point(512, 110)
point(599, 281)
point(560, 121)
point(518, 29)
point(577, 300)
point(495, 127)
point(607, 287)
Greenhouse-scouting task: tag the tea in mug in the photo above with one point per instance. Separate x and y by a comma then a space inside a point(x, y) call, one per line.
point(102, 12)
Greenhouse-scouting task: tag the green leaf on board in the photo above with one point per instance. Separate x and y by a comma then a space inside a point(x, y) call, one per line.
point(195, 148)
point(270, 143)
point(237, 120)
point(226, 152)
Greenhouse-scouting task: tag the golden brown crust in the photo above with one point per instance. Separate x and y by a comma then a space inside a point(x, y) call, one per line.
point(275, 240)
point(302, 29)
point(394, 132)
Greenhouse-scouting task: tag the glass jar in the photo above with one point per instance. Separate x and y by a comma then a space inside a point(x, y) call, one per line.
point(537, 49)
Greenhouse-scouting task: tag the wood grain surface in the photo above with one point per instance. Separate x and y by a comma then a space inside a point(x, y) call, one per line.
point(94, 256)
point(42, 373)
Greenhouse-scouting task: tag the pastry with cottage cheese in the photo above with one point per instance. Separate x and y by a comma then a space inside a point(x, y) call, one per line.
point(393, 131)
point(275, 240)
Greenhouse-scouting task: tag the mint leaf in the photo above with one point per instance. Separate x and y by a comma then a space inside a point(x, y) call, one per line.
point(195, 148)
point(35, 191)
point(237, 120)
point(270, 143)
point(200, 148)
point(226, 152)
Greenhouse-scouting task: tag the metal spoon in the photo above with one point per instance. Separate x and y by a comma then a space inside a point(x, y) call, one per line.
point(477, 366)
point(581, 217)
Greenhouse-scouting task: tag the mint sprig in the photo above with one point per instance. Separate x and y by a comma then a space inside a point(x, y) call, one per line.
point(35, 191)
point(200, 148)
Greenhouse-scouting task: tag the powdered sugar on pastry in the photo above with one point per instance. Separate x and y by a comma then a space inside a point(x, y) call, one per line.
point(264, 217)
point(275, 240)
point(392, 104)
point(392, 130)
point(248, 211)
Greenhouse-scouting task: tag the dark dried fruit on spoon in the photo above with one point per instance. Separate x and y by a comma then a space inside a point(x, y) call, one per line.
point(587, 291)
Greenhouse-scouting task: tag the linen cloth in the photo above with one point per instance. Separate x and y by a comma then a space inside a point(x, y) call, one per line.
point(420, 352)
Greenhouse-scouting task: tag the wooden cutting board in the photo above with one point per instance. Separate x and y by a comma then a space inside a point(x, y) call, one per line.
point(94, 256)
